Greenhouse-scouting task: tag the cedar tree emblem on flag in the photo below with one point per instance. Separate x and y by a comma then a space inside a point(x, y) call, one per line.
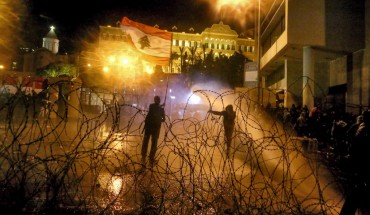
point(144, 42)
point(153, 44)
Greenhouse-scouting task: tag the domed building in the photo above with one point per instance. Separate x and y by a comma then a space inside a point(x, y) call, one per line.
point(48, 53)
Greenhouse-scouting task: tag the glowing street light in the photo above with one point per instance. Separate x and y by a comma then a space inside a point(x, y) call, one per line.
point(194, 99)
point(125, 61)
point(111, 59)
point(106, 69)
point(149, 69)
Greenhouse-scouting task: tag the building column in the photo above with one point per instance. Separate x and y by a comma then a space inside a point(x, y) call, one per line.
point(293, 81)
point(261, 87)
point(308, 77)
point(288, 101)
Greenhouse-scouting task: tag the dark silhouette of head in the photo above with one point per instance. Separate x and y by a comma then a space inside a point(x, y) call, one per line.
point(229, 108)
point(359, 119)
point(157, 99)
point(366, 117)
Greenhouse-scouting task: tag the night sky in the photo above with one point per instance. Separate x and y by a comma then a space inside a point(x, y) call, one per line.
point(77, 20)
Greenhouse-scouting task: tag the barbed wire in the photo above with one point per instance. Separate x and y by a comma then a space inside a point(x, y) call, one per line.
point(91, 163)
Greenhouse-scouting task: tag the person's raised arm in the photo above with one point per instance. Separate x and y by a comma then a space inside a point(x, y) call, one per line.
point(215, 112)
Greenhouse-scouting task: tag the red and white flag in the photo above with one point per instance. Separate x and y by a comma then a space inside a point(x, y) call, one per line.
point(154, 44)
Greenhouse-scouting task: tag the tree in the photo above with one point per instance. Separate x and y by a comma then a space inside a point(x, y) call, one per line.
point(237, 62)
point(192, 54)
point(229, 70)
point(209, 62)
point(182, 49)
point(56, 70)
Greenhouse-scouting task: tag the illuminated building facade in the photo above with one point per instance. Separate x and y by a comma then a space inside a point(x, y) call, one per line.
point(316, 51)
point(106, 61)
point(109, 67)
point(219, 38)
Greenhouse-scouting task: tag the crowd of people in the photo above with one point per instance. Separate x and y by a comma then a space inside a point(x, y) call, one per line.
point(334, 130)
point(347, 137)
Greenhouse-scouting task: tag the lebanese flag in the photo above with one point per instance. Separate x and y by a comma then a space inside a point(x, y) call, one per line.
point(154, 44)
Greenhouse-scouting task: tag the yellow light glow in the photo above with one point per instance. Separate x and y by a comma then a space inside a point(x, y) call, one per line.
point(236, 10)
point(89, 65)
point(105, 69)
point(125, 61)
point(116, 185)
point(1, 66)
point(233, 2)
point(111, 59)
point(149, 69)
point(11, 18)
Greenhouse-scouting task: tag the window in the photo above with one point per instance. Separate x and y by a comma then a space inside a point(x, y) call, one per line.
point(242, 47)
point(104, 36)
point(283, 23)
point(274, 35)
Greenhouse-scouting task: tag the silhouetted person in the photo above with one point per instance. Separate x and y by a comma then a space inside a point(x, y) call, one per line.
point(359, 194)
point(338, 133)
point(293, 113)
point(314, 116)
point(152, 128)
point(351, 132)
point(229, 116)
point(301, 125)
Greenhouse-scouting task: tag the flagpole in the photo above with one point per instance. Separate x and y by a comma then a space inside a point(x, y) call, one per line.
point(165, 97)
point(170, 65)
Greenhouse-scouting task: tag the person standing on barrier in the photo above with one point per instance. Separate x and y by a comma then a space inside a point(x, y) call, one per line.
point(152, 128)
point(229, 116)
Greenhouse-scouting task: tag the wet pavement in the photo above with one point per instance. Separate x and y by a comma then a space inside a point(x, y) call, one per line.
point(95, 166)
